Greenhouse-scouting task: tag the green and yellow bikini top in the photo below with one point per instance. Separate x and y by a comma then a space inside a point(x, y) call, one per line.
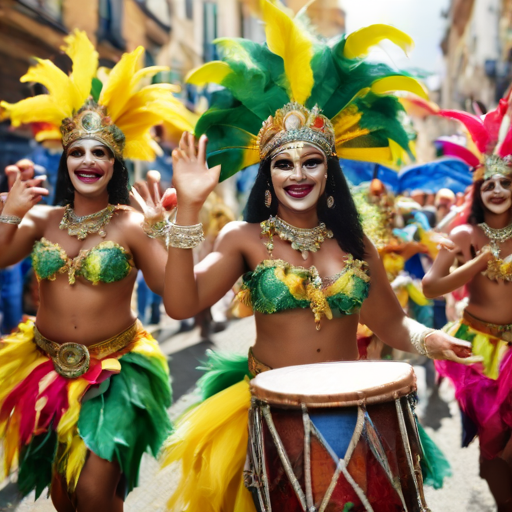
point(276, 286)
point(107, 262)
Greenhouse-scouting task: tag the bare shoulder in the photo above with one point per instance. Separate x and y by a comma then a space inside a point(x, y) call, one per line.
point(128, 217)
point(462, 235)
point(43, 214)
point(370, 251)
point(237, 233)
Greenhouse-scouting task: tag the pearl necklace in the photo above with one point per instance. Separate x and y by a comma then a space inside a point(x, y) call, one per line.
point(304, 240)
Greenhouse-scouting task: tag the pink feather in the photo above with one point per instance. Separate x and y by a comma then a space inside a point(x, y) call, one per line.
point(493, 120)
point(474, 125)
point(453, 149)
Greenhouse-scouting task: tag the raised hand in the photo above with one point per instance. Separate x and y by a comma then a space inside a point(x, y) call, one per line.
point(23, 195)
point(148, 198)
point(442, 346)
point(191, 177)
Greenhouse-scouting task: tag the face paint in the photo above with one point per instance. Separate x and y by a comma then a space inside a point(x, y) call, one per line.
point(90, 167)
point(299, 176)
point(496, 194)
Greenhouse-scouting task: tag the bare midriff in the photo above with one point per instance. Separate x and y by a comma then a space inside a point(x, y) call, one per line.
point(290, 338)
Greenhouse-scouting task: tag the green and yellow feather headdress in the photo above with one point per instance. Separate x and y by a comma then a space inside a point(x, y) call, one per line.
point(118, 111)
point(301, 89)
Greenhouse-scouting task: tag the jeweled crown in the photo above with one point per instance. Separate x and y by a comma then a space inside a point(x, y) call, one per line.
point(493, 164)
point(93, 122)
point(293, 123)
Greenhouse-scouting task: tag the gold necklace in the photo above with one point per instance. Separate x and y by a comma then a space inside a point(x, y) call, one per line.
point(496, 236)
point(304, 240)
point(88, 224)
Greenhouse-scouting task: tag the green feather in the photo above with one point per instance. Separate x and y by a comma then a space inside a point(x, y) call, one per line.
point(36, 461)
point(130, 418)
point(96, 87)
point(230, 133)
point(381, 116)
point(434, 466)
point(354, 75)
point(222, 371)
point(257, 78)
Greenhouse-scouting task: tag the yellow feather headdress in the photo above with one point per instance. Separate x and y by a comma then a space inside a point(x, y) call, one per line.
point(301, 89)
point(120, 113)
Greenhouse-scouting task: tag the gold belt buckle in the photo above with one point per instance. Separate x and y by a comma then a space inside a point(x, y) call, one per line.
point(72, 360)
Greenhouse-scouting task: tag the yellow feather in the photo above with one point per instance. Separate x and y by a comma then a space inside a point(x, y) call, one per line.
point(399, 83)
point(59, 84)
point(50, 134)
point(116, 91)
point(75, 462)
point(41, 108)
point(140, 148)
point(85, 63)
point(284, 38)
point(377, 155)
point(210, 443)
point(358, 43)
point(213, 72)
point(148, 72)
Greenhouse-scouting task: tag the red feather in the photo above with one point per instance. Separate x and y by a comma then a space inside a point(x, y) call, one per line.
point(453, 149)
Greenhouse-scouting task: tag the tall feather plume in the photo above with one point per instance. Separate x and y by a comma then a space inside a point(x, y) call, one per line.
point(285, 39)
point(359, 43)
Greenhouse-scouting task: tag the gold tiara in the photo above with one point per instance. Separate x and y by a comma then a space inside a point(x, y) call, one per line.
point(493, 164)
point(294, 123)
point(92, 122)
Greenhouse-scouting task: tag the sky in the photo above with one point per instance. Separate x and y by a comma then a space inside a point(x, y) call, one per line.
point(421, 19)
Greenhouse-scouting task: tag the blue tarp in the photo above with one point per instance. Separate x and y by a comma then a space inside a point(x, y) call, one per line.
point(446, 172)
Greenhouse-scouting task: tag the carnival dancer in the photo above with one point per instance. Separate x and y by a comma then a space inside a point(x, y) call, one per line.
point(84, 388)
point(306, 263)
point(482, 249)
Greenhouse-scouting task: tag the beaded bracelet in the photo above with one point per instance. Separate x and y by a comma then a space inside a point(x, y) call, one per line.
point(10, 219)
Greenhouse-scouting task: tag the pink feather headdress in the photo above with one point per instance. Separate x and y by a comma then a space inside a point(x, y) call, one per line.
point(489, 148)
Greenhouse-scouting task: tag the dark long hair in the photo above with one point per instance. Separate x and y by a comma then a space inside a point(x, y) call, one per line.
point(342, 220)
point(117, 187)
point(476, 215)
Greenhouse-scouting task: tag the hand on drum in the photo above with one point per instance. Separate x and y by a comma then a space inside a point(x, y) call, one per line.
point(192, 178)
point(149, 199)
point(24, 191)
point(442, 346)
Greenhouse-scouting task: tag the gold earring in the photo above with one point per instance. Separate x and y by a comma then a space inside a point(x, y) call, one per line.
point(330, 202)
point(268, 198)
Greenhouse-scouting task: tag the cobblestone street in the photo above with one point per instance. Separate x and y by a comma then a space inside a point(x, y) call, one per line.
point(464, 492)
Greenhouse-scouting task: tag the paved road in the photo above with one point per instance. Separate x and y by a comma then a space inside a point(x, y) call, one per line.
point(464, 492)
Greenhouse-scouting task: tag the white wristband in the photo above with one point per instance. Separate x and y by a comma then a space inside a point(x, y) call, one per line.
point(418, 333)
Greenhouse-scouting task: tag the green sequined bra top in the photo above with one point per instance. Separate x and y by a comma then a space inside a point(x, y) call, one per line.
point(276, 286)
point(107, 262)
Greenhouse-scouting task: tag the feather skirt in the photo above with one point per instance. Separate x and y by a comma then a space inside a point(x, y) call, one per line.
point(117, 410)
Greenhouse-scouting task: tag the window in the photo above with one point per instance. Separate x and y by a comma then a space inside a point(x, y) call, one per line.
point(110, 22)
point(50, 8)
point(189, 9)
point(209, 31)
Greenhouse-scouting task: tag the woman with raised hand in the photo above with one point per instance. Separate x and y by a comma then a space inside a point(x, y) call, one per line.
point(482, 248)
point(309, 272)
point(84, 388)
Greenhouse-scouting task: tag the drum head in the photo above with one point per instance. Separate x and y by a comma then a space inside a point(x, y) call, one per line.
point(335, 384)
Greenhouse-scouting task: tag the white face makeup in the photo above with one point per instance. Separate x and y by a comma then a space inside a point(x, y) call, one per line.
point(496, 194)
point(299, 177)
point(90, 167)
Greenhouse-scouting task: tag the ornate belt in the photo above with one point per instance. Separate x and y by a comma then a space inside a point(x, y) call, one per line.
point(72, 359)
point(255, 365)
point(501, 331)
